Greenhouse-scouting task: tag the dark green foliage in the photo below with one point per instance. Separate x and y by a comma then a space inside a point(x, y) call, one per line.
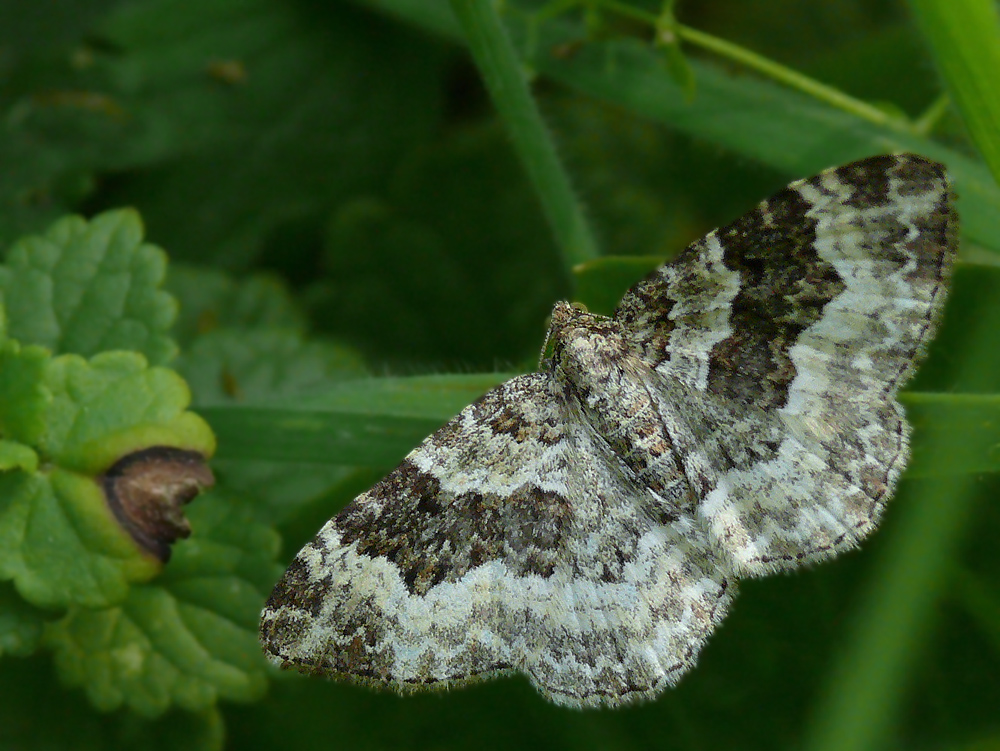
point(342, 211)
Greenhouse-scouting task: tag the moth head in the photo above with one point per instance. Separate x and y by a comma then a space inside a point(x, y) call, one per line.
point(581, 342)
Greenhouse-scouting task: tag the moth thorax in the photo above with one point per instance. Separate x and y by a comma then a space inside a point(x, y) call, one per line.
point(588, 351)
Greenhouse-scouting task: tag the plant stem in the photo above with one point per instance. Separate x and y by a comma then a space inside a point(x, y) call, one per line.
point(498, 63)
point(867, 685)
point(790, 78)
point(930, 117)
point(769, 68)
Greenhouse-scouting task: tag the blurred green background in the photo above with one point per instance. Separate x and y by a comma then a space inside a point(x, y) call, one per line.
point(337, 170)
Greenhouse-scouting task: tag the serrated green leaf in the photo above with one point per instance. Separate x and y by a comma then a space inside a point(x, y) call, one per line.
point(86, 287)
point(114, 404)
point(24, 399)
point(230, 540)
point(21, 624)
point(211, 300)
point(228, 366)
point(244, 342)
point(59, 540)
point(191, 638)
point(60, 543)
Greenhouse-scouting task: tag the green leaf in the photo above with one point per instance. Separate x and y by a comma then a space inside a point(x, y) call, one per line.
point(38, 713)
point(188, 640)
point(278, 140)
point(862, 697)
point(17, 456)
point(244, 342)
point(228, 366)
point(59, 540)
point(373, 422)
point(24, 400)
point(399, 268)
point(965, 37)
point(981, 601)
point(376, 422)
point(961, 358)
point(954, 434)
point(211, 300)
point(60, 543)
point(20, 624)
point(115, 404)
point(85, 287)
point(779, 127)
point(753, 117)
point(358, 424)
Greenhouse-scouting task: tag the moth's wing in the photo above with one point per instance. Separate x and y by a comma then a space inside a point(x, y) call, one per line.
point(800, 321)
point(509, 540)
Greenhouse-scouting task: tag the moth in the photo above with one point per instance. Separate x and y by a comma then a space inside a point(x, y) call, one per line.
point(586, 524)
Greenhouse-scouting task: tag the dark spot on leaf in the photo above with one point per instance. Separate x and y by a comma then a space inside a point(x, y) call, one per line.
point(146, 490)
